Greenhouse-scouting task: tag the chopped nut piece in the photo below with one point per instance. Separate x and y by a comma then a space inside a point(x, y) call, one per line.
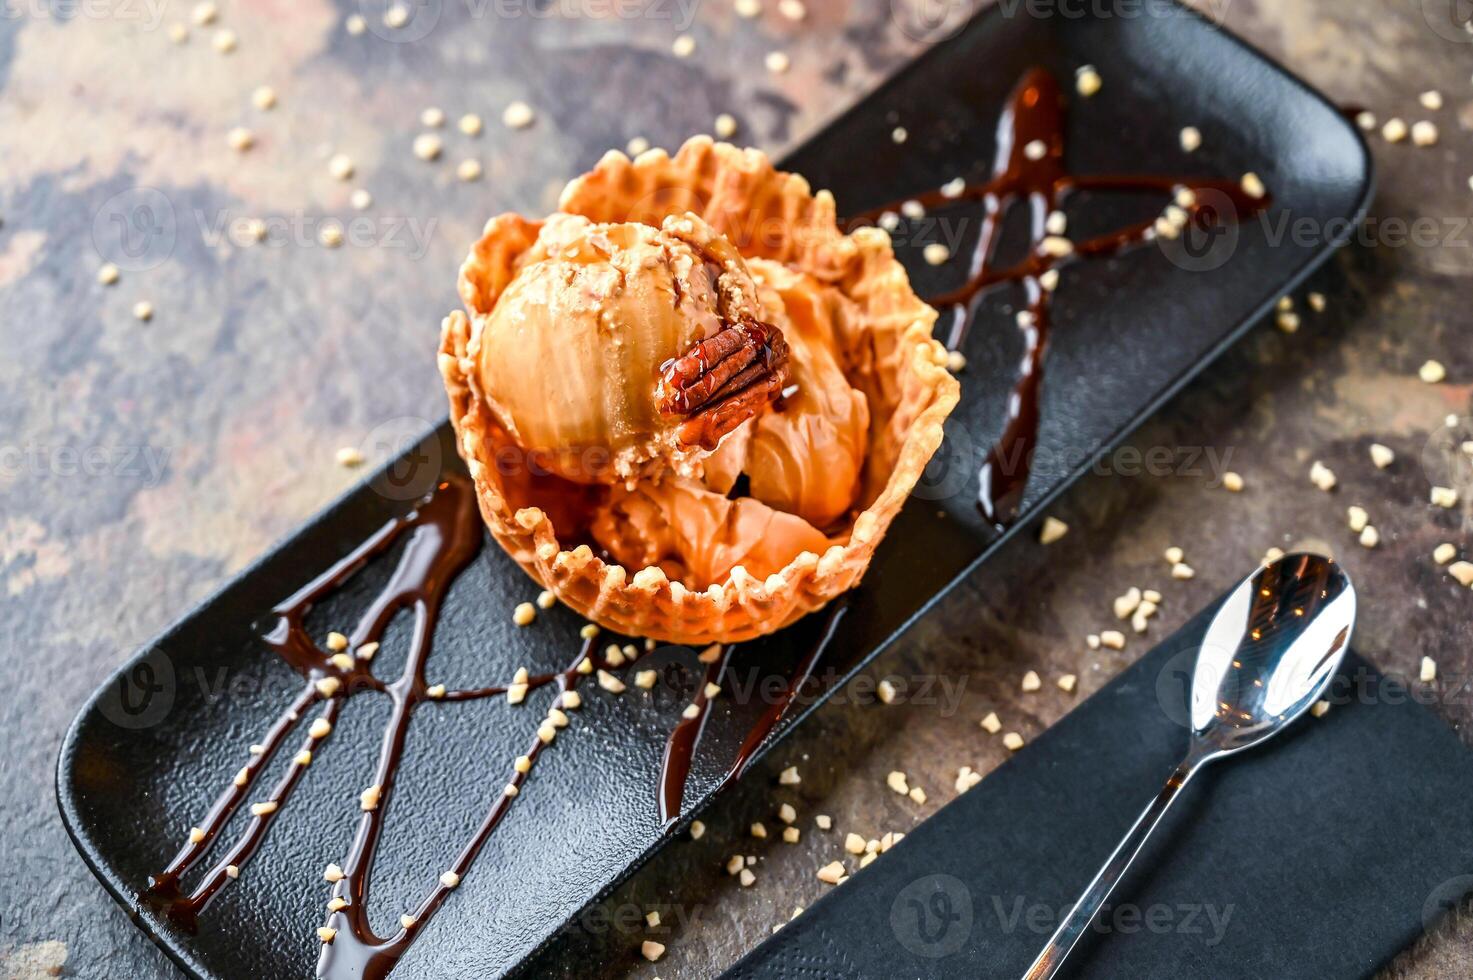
point(735, 864)
point(1232, 482)
point(242, 777)
point(917, 794)
point(791, 835)
point(1087, 81)
point(1432, 372)
point(1114, 639)
point(328, 686)
point(558, 719)
point(777, 62)
point(341, 661)
point(1067, 683)
point(991, 724)
point(613, 656)
point(107, 274)
point(651, 950)
point(646, 679)
point(589, 631)
point(512, 789)
point(746, 878)
point(712, 691)
point(204, 13)
point(437, 691)
point(725, 126)
point(427, 146)
point(1031, 681)
point(697, 830)
point(516, 693)
point(789, 777)
point(896, 781)
point(1092, 641)
point(369, 798)
point(1056, 223)
point(470, 123)
point(1444, 553)
point(546, 599)
point(759, 831)
point(1272, 555)
point(143, 310)
point(1395, 130)
point(571, 700)
point(1370, 537)
point(333, 873)
point(330, 235)
point(1428, 673)
point(1035, 149)
point(523, 764)
point(407, 921)
point(432, 117)
point(1052, 530)
point(1444, 496)
point(1357, 518)
point(832, 873)
point(886, 691)
point(326, 934)
point(965, 780)
point(1174, 555)
point(1322, 476)
point(1424, 133)
point(1126, 604)
point(868, 859)
point(302, 758)
point(1381, 456)
point(956, 361)
point(636, 146)
point(610, 683)
point(1056, 246)
point(786, 813)
point(546, 733)
point(1182, 571)
point(823, 821)
point(1462, 571)
point(468, 170)
point(450, 879)
point(1012, 741)
point(1319, 709)
point(853, 843)
point(524, 614)
point(691, 712)
point(1191, 139)
point(792, 9)
point(1252, 185)
point(355, 24)
point(913, 209)
point(196, 835)
point(936, 253)
point(225, 41)
point(1366, 120)
point(233, 871)
point(320, 728)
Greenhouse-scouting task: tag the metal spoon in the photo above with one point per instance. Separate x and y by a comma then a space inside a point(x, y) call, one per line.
point(1268, 655)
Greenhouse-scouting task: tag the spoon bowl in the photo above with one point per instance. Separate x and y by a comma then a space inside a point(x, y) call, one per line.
point(1270, 652)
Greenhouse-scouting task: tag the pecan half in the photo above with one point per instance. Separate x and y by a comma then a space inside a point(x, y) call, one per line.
point(724, 380)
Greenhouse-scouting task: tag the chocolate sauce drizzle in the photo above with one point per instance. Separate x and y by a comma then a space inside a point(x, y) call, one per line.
point(686, 736)
point(1035, 116)
point(444, 534)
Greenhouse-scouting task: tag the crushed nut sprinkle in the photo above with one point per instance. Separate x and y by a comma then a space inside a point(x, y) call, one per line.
point(725, 125)
point(1191, 139)
point(1395, 130)
point(320, 728)
point(1031, 681)
point(1067, 683)
point(610, 683)
point(1462, 571)
point(831, 873)
point(1113, 639)
point(432, 117)
point(428, 146)
point(1444, 553)
point(328, 686)
point(697, 830)
point(746, 878)
point(470, 124)
point(896, 781)
point(651, 950)
point(333, 874)
point(991, 724)
point(524, 614)
point(1012, 741)
point(1432, 372)
point(1428, 673)
point(1087, 81)
point(450, 879)
point(368, 800)
point(1444, 496)
point(1381, 456)
point(1052, 530)
point(823, 821)
point(518, 115)
point(1322, 476)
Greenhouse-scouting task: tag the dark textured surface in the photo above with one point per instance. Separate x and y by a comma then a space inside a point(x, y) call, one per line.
point(260, 362)
point(1226, 885)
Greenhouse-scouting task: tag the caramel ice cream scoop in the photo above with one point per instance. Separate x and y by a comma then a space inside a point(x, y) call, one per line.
point(622, 351)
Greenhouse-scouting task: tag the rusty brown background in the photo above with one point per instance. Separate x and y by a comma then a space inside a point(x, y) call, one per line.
point(145, 463)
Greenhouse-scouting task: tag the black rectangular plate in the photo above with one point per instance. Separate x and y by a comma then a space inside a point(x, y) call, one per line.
point(135, 772)
point(1321, 855)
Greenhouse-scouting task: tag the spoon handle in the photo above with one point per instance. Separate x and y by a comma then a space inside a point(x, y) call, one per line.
point(1083, 914)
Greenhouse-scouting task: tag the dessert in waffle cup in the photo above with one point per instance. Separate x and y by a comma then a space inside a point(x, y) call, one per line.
point(810, 277)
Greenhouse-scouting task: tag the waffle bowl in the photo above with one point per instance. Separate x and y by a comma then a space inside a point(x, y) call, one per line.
point(791, 240)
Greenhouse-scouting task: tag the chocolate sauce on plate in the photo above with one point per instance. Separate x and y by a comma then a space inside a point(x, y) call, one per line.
point(1030, 166)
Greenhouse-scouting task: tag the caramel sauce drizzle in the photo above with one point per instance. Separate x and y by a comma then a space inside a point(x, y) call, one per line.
point(1035, 114)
